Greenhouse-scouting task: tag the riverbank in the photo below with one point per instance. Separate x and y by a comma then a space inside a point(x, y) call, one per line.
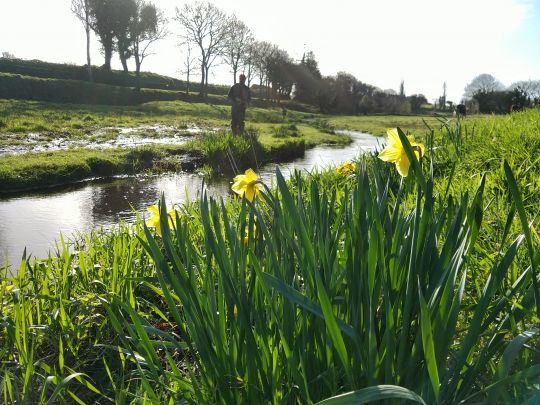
point(45, 145)
point(103, 202)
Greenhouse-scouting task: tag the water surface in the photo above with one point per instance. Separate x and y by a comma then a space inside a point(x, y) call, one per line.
point(36, 220)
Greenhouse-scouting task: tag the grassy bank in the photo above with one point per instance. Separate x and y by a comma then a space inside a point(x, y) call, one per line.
point(277, 138)
point(378, 124)
point(37, 68)
point(355, 282)
point(43, 124)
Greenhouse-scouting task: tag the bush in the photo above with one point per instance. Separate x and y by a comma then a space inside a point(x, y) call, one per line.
point(285, 131)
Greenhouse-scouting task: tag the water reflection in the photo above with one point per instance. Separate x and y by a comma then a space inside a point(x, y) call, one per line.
point(36, 221)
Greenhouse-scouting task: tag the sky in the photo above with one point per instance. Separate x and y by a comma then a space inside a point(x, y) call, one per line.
point(425, 43)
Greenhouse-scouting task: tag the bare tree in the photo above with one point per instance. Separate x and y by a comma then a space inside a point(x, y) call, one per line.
point(81, 9)
point(148, 27)
point(531, 88)
point(188, 66)
point(206, 27)
point(262, 54)
point(249, 62)
point(237, 46)
point(484, 83)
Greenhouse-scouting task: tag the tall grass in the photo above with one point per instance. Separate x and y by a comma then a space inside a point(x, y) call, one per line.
point(337, 294)
point(329, 288)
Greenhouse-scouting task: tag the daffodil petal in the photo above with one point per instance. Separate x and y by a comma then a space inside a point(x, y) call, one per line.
point(250, 193)
point(239, 187)
point(390, 154)
point(393, 137)
point(402, 166)
point(153, 209)
point(250, 175)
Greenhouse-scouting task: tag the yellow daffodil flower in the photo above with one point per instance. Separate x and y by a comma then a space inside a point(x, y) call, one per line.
point(346, 168)
point(247, 185)
point(395, 152)
point(153, 221)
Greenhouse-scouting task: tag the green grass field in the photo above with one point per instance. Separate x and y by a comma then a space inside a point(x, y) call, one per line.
point(77, 125)
point(359, 284)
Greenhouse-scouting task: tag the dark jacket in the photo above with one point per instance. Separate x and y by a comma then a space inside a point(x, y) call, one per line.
point(239, 94)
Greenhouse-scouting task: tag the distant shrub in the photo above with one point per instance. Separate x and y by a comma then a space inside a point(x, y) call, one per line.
point(285, 131)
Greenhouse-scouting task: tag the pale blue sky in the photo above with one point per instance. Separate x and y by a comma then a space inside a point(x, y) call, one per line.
point(423, 42)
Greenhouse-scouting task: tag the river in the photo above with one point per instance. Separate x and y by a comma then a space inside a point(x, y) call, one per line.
point(35, 221)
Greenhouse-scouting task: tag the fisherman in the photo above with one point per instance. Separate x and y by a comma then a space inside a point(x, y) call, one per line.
point(240, 96)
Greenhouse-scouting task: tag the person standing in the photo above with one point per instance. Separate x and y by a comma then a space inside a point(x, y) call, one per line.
point(240, 96)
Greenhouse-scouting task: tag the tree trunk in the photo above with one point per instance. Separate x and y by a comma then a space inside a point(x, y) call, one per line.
point(201, 90)
point(88, 61)
point(235, 70)
point(249, 75)
point(107, 49)
point(138, 70)
point(137, 64)
point(123, 59)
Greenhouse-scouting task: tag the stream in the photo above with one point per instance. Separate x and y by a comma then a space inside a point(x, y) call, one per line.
point(37, 220)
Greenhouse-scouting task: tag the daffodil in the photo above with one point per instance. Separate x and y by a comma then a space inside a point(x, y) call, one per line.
point(346, 168)
point(153, 221)
point(395, 152)
point(247, 185)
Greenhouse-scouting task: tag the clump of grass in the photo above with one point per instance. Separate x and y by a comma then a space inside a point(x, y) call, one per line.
point(324, 125)
point(227, 153)
point(367, 285)
point(286, 131)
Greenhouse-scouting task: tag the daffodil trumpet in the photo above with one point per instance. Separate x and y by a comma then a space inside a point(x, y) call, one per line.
point(247, 185)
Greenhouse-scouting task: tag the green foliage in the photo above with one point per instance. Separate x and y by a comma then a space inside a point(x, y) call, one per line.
point(338, 286)
point(75, 91)
point(39, 170)
point(285, 131)
point(228, 153)
point(328, 288)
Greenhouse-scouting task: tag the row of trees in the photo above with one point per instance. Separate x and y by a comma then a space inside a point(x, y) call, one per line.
point(210, 37)
point(127, 26)
point(491, 96)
